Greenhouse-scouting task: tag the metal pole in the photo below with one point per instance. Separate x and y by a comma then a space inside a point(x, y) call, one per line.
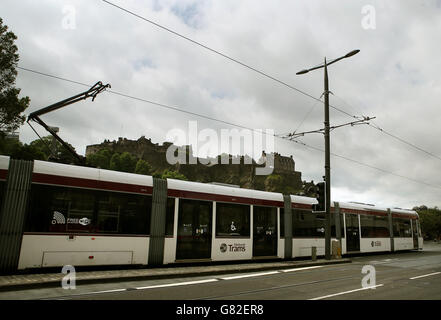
point(328, 152)
point(327, 171)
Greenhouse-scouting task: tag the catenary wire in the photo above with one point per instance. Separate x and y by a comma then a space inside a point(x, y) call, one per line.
point(369, 166)
point(265, 75)
point(145, 100)
point(231, 124)
point(227, 57)
point(377, 127)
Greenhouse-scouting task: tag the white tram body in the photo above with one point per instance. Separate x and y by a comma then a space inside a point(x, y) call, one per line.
point(72, 215)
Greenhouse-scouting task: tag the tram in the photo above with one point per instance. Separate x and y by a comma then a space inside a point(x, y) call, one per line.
point(56, 214)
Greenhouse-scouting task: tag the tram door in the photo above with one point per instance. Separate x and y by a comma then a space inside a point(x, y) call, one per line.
point(194, 229)
point(264, 231)
point(352, 233)
point(414, 234)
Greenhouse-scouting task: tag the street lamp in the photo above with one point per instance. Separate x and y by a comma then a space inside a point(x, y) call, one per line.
point(327, 150)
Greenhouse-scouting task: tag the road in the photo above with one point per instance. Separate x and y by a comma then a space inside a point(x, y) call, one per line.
point(409, 275)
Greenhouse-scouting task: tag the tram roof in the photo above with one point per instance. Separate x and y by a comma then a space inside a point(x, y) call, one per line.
point(66, 170)
point(209, 188)
point(374, 208)
point(74, 171)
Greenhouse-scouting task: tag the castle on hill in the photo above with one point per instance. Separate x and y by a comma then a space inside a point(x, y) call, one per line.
point(240, 170)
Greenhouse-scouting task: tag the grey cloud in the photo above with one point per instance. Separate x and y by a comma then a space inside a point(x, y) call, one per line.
point(278, 37)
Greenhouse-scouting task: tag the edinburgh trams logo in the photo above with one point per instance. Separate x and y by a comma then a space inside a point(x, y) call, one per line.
point(236, 247)
point(376, 243)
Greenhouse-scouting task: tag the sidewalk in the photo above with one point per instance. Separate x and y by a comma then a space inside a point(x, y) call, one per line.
point(28, 281)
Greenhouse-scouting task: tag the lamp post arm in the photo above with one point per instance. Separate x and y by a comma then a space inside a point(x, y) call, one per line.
point(350, 54)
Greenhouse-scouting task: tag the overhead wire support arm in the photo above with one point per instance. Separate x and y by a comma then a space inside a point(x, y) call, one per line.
point(353, 123)
point(280, 136)
point(295, 135)
point(35, 116)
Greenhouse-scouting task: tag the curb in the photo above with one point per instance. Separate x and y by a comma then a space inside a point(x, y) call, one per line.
point(191, 273)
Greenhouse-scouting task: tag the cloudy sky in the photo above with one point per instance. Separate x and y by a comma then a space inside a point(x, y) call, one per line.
point(395, 78)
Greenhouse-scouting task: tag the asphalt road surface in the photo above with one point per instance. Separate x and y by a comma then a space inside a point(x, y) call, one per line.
point(413, 275)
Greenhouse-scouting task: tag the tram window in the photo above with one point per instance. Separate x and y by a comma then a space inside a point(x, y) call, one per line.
point(80, 206)
point(402, 228)
point(37, 218)
point(60, 209)
point(282, 222)
point(374, 226)
point(109, 211)
point(342, 225)
point(307, 224)
point(63, 209)
point(232, 220)
point(265, 220)
point(342, 229)
point(320, 223)
point(419, 228)
point(123, 213)
point(170, 216)
point(406, 229)
point(396, 227)
point(195, 218)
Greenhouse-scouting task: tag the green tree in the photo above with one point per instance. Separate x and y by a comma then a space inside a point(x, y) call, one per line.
point(100, 159)
point(430, 221)
point(115, 162)
point(128, 162)
point(143, 167)
point(40, 149)
point(55, 150)
point(170, 174)
point(277, 183)
point(273, 183)
point(11, 106)
point(157, 174)
point(123, 162)
point(8, 146)
point(16, 150)
point(28, 152)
